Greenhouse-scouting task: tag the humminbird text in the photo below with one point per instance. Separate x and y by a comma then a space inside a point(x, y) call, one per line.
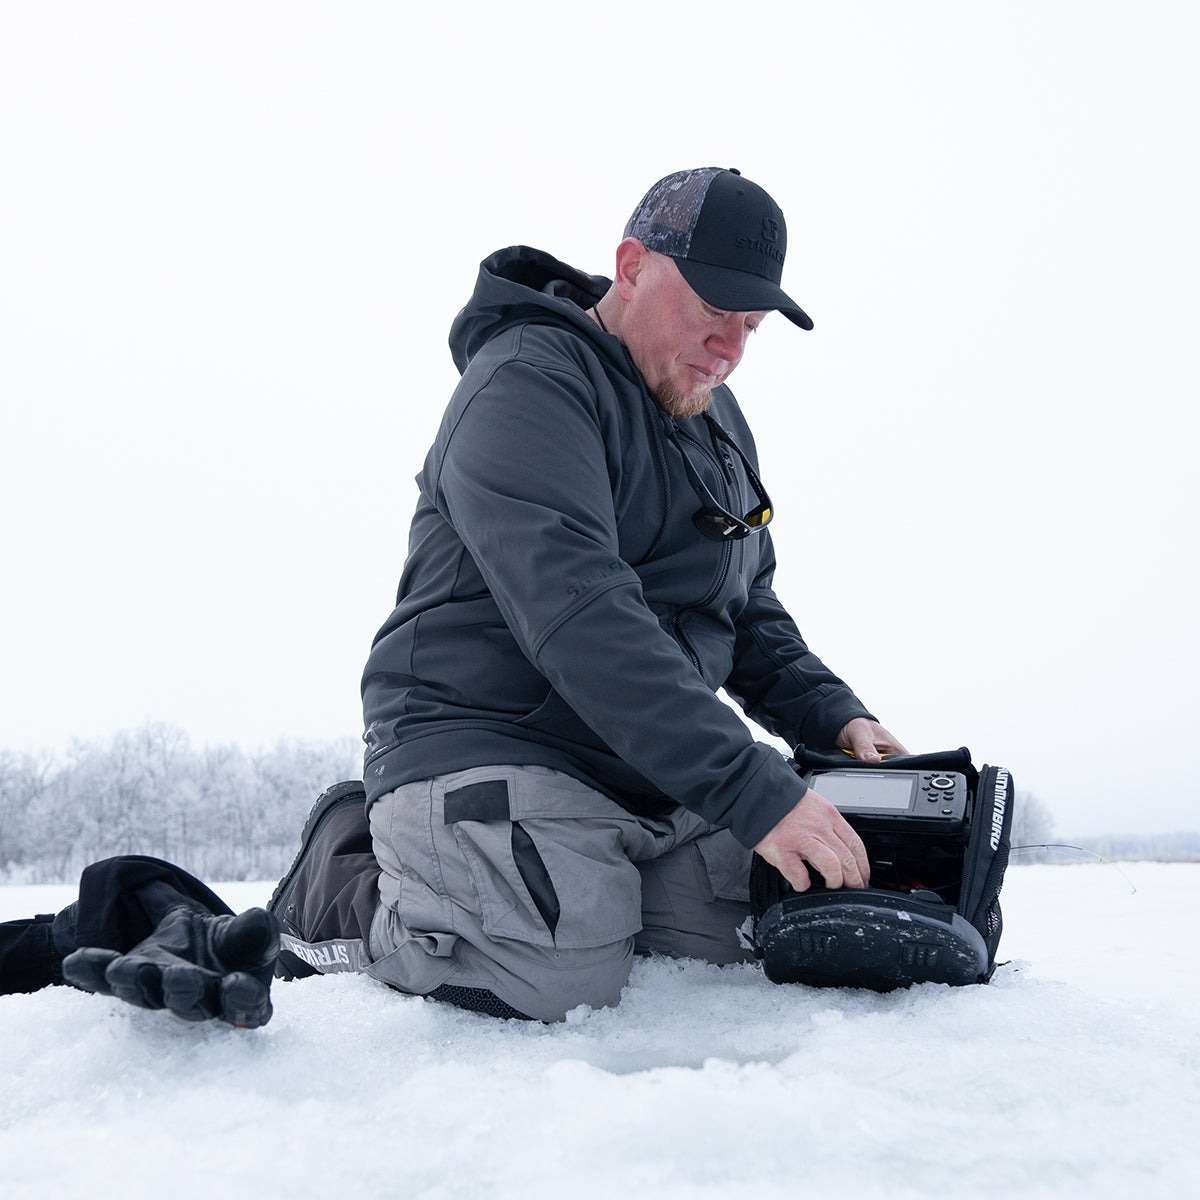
point(999, 803)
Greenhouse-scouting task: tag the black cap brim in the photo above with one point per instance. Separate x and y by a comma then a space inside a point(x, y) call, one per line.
point(739, 291)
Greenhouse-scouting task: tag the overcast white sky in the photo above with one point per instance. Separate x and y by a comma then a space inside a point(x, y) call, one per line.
point(233, 237)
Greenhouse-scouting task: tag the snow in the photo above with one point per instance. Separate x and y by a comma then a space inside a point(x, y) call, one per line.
point(1073, 1074)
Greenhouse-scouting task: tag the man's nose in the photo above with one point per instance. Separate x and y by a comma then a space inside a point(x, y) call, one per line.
point(729, 340)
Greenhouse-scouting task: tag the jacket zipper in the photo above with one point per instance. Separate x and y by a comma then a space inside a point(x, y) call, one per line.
point(727, 545)
point(725, 469)
point(682, 639)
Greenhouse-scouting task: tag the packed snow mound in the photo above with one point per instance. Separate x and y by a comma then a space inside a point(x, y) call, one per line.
point(1074, 1073)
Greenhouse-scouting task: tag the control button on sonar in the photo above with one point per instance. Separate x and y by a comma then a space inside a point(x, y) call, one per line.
point(943, 783)
point(947, 812)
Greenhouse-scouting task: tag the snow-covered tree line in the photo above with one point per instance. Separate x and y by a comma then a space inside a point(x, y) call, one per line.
point(1033, 825)
point(220, 811)
point(1182, 846)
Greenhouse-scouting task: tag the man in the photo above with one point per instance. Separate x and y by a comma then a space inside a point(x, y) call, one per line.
point(552, 782)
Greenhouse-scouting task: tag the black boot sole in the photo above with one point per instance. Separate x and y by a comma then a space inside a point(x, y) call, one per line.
point(875, 940)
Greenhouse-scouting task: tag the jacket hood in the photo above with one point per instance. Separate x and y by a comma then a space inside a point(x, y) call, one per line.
point(520, 284)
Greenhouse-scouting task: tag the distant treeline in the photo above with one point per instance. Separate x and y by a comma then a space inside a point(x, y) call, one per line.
point(220, 811)
point(1141, 847)
point(224, 812)
point(1032, 828)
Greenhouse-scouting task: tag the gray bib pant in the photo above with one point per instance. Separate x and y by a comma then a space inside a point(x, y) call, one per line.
point(526, 882)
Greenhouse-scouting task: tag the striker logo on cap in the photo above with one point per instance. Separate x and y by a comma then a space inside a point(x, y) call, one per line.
point(763, 244)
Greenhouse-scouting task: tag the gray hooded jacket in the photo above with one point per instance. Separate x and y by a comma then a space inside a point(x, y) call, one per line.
point(559, 607)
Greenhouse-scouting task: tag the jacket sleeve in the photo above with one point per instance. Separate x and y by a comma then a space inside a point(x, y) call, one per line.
point(523, 476)
point(779, 682)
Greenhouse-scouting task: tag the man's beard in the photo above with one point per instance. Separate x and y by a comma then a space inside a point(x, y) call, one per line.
point(683, 405)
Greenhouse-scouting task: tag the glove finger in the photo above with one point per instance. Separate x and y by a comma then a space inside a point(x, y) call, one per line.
point(245, 1001)
point(84, 969)
point(249, 941)
point(190, 992)
point(137, 981)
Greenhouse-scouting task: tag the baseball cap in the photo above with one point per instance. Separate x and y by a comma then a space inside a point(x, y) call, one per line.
point(727, 236)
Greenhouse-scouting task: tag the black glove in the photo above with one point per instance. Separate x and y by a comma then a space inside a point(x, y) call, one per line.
point(196, 964)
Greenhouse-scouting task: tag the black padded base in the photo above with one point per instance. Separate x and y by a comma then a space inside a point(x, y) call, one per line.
point(868, 939)
point(478, 1000)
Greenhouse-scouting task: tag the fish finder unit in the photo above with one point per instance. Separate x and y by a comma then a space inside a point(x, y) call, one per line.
point(932, 802)
point(936, 832)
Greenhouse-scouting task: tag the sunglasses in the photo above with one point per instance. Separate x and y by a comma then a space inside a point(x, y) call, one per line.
point(714, 521)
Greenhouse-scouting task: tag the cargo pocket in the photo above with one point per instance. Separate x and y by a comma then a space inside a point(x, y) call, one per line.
point(599, 891)
point(507, 908)
point(555, 873)
point(727, 865)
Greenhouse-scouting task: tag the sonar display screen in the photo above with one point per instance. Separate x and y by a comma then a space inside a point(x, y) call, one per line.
point(859, 791)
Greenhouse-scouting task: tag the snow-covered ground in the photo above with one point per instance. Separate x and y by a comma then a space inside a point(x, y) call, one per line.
point(1074, 1074)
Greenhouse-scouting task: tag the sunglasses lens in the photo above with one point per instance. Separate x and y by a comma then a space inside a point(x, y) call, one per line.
point(718, 526)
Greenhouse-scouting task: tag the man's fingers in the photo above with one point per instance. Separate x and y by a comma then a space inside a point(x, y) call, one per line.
point(858, 736)
point(791, 867)
point(852, 854)
point(868, 741)
point(85, 969)
point(814, 832)
point(826, 860)
point(863, 745)
point(851, 873)
point(838, 864)
point(857, 851)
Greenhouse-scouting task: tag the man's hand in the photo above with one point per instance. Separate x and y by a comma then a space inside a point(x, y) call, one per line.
point(867, 740)
point(815, 832)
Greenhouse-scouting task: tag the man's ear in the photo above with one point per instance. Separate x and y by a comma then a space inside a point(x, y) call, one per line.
point(632, 258)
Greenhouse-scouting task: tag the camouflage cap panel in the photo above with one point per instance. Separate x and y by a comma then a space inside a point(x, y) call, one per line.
point(667, 215)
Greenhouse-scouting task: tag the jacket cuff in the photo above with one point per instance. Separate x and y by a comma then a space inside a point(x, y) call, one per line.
point(770, 796)
point(828, 717)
